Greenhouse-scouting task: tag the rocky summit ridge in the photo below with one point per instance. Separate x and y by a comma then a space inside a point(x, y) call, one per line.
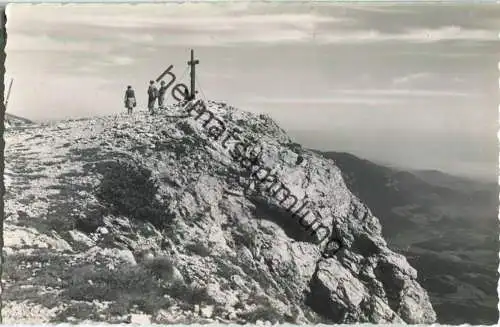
point(86, 199)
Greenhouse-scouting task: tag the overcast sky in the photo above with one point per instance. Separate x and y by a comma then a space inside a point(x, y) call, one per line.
point(410, 85)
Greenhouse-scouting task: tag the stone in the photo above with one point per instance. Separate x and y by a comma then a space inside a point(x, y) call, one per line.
point(207, 311)
point(140, 319)
point(80, 240)
point(102, 230)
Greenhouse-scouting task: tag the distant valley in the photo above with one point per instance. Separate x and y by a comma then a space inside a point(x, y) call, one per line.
point(446, 226)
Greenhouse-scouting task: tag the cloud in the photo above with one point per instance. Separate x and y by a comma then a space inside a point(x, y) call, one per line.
point(214, 35)
point(294, 32)
point(426, 79)
point(110, 40)
point(213, 24)
point(370, 97)
point(119, 61)
point(420, 35)
point(24, 42)
point(407, 79)
point(218, 22)
point(239, 37)
point(186, 24)
point(321, 101)
point(373, 8)
point(189, 16)
point(406, 92)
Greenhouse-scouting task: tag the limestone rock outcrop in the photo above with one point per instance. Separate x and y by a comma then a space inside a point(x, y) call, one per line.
point(105, 189)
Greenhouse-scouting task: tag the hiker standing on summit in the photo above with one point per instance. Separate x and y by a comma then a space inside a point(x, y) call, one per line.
point(161, 94)
point(129, 100)
point(152, 95)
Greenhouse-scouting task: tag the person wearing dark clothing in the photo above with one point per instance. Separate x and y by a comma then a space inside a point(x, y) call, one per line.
point(152, 95)
point(129, 99)
point(161, 94)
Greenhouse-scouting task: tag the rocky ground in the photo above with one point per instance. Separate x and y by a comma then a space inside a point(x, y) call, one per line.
point(87, 198)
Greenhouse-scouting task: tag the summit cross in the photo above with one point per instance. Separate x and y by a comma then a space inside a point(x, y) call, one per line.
point(192, 63)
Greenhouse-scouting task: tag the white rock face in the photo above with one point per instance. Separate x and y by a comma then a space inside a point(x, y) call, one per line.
point(80, 239)
point(140, 319)
point(233, 253)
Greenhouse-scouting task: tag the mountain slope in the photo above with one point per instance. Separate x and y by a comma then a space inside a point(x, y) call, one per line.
point(447, 226)
point(145, 217)
point(13, 120)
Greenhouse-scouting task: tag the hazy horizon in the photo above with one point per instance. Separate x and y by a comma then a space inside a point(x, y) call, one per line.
point(409, 85)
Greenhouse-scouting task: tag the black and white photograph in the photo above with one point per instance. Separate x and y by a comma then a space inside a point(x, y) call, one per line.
point(251, 163)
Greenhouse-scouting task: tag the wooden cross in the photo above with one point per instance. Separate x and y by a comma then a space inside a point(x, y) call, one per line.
point(192, 63)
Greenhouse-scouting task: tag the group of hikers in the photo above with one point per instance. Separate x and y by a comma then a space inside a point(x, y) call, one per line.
point(154, 94)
